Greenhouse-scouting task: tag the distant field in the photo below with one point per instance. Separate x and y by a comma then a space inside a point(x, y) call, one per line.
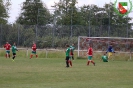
point(51, 73)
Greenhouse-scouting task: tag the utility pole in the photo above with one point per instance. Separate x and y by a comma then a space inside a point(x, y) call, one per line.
point(89, 21)
point(37, 24)
point(71, 20)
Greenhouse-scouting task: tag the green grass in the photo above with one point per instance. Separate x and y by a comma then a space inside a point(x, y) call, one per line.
point(51, 73)
point(41, 53)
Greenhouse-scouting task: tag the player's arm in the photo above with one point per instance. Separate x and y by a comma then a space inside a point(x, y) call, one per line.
point(4, 46)
point(9, 46)
point(16, 49)
point(73, 48)
point(12, 48)
point(86, 53)
point(107, 51)
point(113, 50)
point(66, 50)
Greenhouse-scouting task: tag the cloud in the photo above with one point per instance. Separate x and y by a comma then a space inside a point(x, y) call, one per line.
point(15, 8)
point(80, 2)
point(51, 3)
point(85, 2)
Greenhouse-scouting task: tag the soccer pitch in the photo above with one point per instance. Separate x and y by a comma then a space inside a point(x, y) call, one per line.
point(52, 73)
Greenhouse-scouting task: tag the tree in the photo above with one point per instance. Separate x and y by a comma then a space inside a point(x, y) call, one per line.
point(67, 11)
point(4, 8)
point(33, 12)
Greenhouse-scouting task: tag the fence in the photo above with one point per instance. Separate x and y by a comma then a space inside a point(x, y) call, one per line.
point(58, 35)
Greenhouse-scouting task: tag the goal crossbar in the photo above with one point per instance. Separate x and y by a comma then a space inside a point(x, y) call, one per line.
point(125, 44)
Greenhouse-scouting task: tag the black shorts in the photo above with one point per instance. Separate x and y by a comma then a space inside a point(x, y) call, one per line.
point(67, 57)
point(14, 53)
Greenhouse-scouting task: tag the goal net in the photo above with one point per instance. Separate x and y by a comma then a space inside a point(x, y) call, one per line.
point(122, 46)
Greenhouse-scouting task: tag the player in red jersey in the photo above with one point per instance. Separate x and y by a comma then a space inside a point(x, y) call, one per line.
point(33, 50)
point(90, 55)
point(7, 46)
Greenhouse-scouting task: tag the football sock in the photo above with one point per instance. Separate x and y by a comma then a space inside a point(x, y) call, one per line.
point(88, 62)
point(31, 56)
point(73, 57)
point(13, 57)
point(93, 62)
point(70, 62)
point(36, 56)
point(6, 55)
point(67, 63)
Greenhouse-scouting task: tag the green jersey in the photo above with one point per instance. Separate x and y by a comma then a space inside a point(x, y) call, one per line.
point(105, 58)
point(67, 51)
point(14, 49)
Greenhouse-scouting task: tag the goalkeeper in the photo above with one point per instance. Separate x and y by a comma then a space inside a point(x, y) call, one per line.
point(110, 51)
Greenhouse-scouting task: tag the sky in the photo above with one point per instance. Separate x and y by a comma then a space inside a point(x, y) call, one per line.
point(15, 8)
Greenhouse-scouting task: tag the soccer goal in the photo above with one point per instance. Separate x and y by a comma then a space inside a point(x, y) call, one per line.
point(122, 46)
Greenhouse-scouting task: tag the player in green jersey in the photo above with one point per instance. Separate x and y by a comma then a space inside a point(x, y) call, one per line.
point(14, 49)
point(67, 55)
point(105, 58)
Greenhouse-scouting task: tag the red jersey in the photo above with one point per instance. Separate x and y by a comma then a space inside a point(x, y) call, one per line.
point(71, 52)
point(34, 47)
point(90, 52)
point(7, 46)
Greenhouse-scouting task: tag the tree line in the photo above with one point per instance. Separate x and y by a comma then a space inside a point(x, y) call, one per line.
point(62, 24)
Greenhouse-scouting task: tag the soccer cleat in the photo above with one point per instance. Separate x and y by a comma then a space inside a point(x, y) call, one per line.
point(67, 66)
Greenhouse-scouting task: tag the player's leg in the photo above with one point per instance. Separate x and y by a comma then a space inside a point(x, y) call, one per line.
point(70, 61)
point(6, 54)
point(109, 55)
point(14, 55)
point(9, 54)
point(113, 55)
point(73, 57)
point(89, 60)
point(105, 60)
point(67, 61)
point(36, 54)
point(93, 62)
point(31, 54)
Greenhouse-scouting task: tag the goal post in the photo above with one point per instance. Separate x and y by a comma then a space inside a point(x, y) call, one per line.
point(122, 46)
